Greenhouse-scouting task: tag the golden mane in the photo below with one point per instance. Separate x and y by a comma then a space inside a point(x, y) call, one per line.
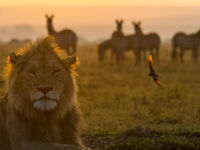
point(59, 127)
point(46, 45)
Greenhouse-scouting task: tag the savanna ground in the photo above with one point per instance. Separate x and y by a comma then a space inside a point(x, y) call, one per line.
point(123, 109)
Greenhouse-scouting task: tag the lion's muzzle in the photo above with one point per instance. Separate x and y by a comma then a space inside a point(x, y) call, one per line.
point(44, 102)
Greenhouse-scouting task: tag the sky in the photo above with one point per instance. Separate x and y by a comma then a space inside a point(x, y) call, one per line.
point(95, 19)
point(101, 2)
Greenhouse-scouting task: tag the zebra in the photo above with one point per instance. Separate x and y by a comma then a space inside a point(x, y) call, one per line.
point(131, 44)
point(149, 41)
point(66, 39)
point(185, 42)
point(102, 48)
point(118, 42)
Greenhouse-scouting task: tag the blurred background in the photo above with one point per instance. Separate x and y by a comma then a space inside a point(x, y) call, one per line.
point(122, 106)
point(93, 20)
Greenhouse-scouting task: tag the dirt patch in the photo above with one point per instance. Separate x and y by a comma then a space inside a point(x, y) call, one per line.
point(142, 138)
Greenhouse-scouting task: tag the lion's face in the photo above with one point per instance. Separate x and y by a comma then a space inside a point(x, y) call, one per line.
point(44, 80)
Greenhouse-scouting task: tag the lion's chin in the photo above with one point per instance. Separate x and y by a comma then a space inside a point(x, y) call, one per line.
point(45, 104)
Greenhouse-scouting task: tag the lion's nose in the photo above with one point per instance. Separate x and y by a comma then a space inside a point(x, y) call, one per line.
point(45, 89)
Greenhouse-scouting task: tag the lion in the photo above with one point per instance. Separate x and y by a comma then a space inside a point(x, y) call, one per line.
point(40, 111)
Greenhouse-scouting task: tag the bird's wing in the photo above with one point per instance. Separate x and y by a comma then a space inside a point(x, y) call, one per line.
point(152, 71)
point(157, 81)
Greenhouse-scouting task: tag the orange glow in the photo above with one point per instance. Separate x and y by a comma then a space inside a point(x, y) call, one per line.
point(102, 2)
point(77, 62)
point(158, 83)
point(150, 58)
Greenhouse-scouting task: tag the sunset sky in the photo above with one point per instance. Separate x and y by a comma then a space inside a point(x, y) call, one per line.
point(95, 19)
point(100, 2)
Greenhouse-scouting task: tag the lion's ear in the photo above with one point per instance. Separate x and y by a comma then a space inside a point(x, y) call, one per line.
point(13, 58)
point(71, 61)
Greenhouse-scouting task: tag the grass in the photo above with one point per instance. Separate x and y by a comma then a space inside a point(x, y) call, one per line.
point(123, 108)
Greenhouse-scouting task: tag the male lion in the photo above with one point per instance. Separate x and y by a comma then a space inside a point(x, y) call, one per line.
point(40, 111)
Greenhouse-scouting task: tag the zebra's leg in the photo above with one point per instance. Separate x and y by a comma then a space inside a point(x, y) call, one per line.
point(135, 55)
point(181, 55)
point(174, 54)
point(138, 57)
point(144, 55)
point(117, 58)
point(112, 54)
point(122, 53)
point(120, 56)
point(195, 54)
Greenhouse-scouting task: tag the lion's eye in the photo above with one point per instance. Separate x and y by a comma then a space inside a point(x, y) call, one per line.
point(56, 72)
point(31, 73)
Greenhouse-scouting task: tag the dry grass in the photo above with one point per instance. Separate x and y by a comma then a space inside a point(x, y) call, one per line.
point(115, 99)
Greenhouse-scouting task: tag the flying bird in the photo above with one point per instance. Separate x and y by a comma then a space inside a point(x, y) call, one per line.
point(153, 73)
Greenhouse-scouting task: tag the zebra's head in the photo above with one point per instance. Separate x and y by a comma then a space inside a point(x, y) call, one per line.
point(101, 51)
point(119, 24)
point(137, 27)
point(49, 23)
